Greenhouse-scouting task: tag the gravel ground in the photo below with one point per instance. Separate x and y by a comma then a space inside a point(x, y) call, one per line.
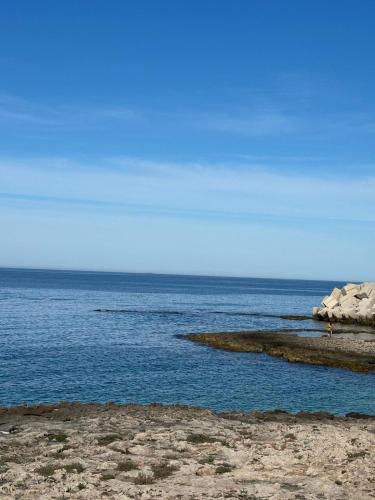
point(170, 452)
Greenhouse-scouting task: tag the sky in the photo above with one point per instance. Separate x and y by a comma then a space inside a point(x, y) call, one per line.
point(194, 137)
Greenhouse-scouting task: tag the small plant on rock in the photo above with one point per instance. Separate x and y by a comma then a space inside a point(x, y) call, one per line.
point(197, 438)
point(108, 439)
point(207, 460)
point(60, 437)
point(126, 466)
point(106, 476)
point(161, 471)
point(143, 478)
point(224, 468)
point(46, 470)
point(74, 467)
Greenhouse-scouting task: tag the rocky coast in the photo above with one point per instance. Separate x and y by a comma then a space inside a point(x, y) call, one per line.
point(357, 355)
point(92, 451)
point(354, 303)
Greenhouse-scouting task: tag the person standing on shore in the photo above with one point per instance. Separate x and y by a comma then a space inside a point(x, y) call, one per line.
point(329, 329)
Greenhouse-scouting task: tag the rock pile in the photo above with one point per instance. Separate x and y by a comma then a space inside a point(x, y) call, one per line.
point(350, 304)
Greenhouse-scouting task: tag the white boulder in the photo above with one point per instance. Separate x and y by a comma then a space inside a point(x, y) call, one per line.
point(367, 290)
point(347, 288)
point(348, 301)
point(336, 293)
point(354, 303)
point(350, 293)
point(330, 302)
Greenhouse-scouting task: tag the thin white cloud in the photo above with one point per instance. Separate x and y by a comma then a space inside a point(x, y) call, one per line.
point(257, 123)
point(274, 123)
point(24, 117)
point(195, 189)
point(273, 115)
point(17, 111)
point(281, 159)
point(314, 106)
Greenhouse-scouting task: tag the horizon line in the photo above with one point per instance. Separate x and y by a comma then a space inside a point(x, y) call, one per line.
point(156, 273)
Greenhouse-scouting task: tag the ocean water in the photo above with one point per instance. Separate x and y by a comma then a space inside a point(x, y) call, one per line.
point(55, 345)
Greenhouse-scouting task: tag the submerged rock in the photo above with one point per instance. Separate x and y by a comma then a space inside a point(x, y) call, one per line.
point(352, 304)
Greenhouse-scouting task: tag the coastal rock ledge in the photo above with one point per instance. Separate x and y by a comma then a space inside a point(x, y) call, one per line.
point(350, 304)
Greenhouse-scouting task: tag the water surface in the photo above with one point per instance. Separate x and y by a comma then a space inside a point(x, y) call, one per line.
point(54, 345)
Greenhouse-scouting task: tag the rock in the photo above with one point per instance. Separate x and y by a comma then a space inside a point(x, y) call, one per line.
point(181, 446)
point(348, 313)
point(206, 470)
point(338, 313)
point(352, 314)
point(368, 289)
point(349, 302)
point(336, 293)
point(366, 304)
point(352, 304)
point(323, 312)
point(351, 293)
point(330, 302)
point(347, 288)
point(324, 300)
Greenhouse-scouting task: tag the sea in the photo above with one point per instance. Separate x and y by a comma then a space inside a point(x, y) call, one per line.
point(103, 336)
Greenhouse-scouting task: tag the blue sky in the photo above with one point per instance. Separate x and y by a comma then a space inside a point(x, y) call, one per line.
point(213, 137)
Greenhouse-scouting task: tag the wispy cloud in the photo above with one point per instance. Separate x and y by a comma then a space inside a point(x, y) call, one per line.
point(280, 112)
point(23, 117)
point(268, 123)
point(256, 123)
point(307, 105)
point(346, 124)
point(15, 110)
point(18, 111)
point(227, 190)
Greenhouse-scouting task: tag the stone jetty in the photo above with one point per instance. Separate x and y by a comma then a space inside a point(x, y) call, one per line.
point(354, 303)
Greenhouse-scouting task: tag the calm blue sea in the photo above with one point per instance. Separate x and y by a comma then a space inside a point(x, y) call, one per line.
point(54, 345)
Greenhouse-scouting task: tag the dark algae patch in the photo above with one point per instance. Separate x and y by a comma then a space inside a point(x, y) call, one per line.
point(295, 317)
point(60, 437)
point(334, 352)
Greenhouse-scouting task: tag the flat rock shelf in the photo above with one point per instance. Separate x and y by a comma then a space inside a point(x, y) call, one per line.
point(92, 451)
point(356, 355)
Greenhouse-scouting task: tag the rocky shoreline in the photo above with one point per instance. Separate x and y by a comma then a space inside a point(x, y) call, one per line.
point(351, 304)
point(355, 355)
point(92, 451)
